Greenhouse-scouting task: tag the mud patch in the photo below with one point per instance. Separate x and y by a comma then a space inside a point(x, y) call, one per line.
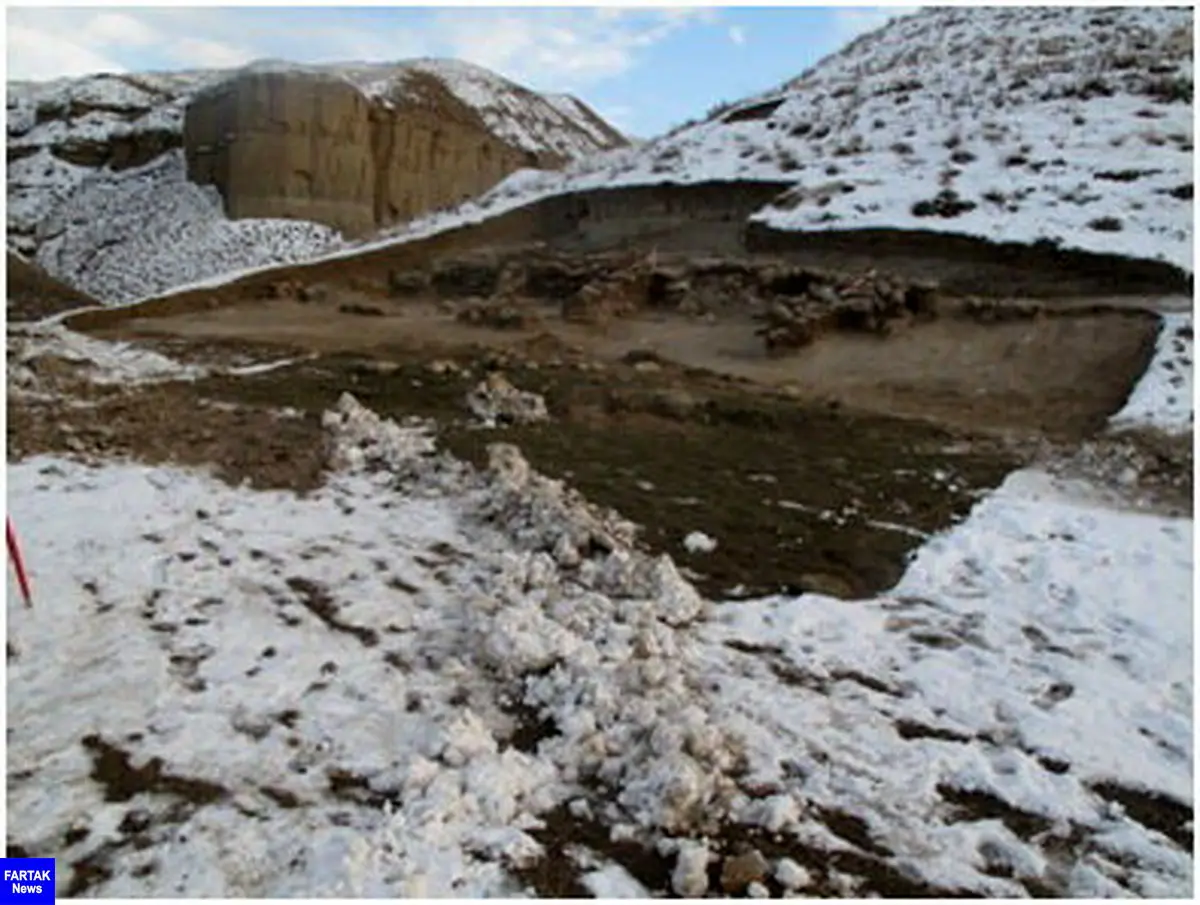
point(317, 600)
point(1158, 812)
point(557, 875)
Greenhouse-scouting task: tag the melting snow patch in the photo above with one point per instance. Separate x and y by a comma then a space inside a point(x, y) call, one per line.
point(1034, 654)
point(104, 362)
point(1162, 398)
point(699, 542)
point(328, 684)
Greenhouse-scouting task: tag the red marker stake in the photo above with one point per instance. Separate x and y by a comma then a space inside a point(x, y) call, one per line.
point(14, 552)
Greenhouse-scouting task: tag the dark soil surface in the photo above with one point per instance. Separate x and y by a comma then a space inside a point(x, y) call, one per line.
point(34, 294)
point(821, 471)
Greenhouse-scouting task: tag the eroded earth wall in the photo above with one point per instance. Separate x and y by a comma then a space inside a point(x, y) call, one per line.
point(313, 147)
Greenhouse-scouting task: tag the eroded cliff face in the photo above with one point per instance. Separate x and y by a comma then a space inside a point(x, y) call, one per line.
point(288, 145)
point(308, 146)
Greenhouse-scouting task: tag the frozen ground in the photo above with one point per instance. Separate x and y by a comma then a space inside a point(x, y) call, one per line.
point(1068, 125)
point(156, 229)
point(1162, 399)
point(1071, 126)
point(380, 688)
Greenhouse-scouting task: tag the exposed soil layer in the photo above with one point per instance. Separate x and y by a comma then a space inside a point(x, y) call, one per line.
point(1061, 374)
point(815, 470)
point(970, 265)
point(34, 294)
point(706, 219)
point(170, 423)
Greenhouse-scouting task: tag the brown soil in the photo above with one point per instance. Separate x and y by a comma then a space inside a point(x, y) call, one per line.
point(171, 423)
point(34, 294)
point(819, 471)
point(1061, 375)
point(680, 423)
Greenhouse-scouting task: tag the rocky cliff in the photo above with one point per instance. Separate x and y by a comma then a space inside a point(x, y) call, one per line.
point(311, 146)
point(111, 169)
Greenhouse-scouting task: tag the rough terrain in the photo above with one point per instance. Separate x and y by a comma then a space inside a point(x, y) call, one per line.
point(807, 741)
point(605, 538)
point(125, 184)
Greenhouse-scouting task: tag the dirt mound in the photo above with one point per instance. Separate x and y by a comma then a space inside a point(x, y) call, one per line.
point(34, 294)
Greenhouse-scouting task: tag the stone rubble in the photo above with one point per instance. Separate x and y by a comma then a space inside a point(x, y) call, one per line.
point(495, 401)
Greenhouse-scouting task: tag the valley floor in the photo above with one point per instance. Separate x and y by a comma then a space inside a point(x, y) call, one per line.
point(960, 668)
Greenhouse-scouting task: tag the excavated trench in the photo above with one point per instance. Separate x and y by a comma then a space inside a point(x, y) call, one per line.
point(816, 467)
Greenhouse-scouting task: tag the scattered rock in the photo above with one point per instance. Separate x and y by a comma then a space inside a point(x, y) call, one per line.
point(689, 879)
point(462, 278)
point(791, 875)
point(495, 401)
point(498, 314)
point(739, 871)
point(361, 310)
point(699, 542)
point(317, 292)
point(674, 403)
point(406, 283)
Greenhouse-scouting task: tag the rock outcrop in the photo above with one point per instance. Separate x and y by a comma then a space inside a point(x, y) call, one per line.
point(289, 145)
point(349, 146)
point(311, 145)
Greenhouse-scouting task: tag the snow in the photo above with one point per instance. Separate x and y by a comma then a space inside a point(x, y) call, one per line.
point(262, 642)
point(1163, 396)
point(1014, 632)
point(1008, 110)
point(614, 882)
point(530, 121)
point(699, 542)
point(103, 362)
point(158, 230)
point(132, 234)
point(196, 626)
point(985, 102)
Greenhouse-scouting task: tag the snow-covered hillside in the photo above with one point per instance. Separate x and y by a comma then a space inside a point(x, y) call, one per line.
point(1067, 125)
point(89, 157)
point(558, 123)
point(137, 232)
point(1070, 125)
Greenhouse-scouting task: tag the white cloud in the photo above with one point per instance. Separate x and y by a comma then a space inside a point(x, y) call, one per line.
point(31, 55)
point(558, 49)
point(552, 49)
point(737, 34)
point(203, 53)
point(119, 30)
point(48, 42)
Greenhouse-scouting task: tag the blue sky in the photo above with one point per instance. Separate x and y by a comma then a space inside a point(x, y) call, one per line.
point(644, 69)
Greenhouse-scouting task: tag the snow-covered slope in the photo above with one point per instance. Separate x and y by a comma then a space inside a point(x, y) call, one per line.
point(129, 234)
point(1015, 716)
point(1070, 125)
point(76, 146)
point(557, 123)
